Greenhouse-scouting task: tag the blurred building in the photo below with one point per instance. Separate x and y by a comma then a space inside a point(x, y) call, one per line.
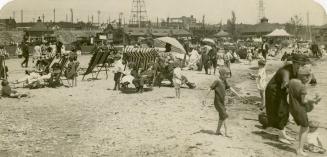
point(7, 24)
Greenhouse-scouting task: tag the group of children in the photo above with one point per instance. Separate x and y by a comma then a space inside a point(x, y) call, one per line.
point(299, 105)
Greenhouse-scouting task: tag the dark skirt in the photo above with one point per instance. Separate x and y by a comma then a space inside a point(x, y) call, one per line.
point(277, 108)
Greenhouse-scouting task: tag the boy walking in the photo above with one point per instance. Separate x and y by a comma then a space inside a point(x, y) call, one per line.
point(220, 86)
point(299, 105)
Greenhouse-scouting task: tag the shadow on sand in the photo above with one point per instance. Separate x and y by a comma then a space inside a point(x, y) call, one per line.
point(133, 90)
point(274, 141)
point(209, 132)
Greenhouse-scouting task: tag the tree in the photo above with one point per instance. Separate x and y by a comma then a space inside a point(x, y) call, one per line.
point(295, 26)
point(231, 26)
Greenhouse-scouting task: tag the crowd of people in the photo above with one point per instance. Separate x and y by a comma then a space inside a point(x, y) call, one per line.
point(283, 95)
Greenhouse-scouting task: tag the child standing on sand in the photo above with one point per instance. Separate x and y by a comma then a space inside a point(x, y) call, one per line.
point(249, 56)
point(72, 71)
point(220, 86)
point(299, 105)
point(261, 78)
point(177, 79)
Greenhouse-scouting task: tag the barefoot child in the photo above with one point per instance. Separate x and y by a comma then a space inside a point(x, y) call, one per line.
point(261, 81)
point(220, 86)
point(299, 105)
point(72, 71)
point(177, 79)
point(249, 56)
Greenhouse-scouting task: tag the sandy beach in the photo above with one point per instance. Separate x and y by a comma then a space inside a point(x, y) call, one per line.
point(93, 120)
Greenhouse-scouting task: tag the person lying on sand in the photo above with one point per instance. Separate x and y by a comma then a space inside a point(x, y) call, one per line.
point(33, 79)
point(220, 86)
point(6, 91)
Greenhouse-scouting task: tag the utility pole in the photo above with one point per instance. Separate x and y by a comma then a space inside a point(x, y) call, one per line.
point(92, 19)
point(308, 27)
point(54, 15)
point(21, 16)
point(203, 24)
point(43, 17)
point(72, 15)
point(99, 12)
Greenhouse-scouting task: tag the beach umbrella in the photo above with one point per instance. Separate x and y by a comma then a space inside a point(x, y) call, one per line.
point(222, 33)
point(176, 46)
point(207, 40)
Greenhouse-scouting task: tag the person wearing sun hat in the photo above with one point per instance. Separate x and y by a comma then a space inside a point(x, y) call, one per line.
point(277, 108)
point(299, 104)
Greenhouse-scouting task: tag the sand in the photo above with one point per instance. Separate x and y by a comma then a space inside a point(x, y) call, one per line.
point(93, 120)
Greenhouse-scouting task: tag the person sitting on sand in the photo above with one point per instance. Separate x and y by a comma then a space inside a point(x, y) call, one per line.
point(138, 80)
point(314, 143)
point(299, 105)
point(220, 86)
point(8, 92)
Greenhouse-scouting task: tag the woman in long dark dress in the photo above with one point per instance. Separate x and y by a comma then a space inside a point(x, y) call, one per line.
point(277, 108)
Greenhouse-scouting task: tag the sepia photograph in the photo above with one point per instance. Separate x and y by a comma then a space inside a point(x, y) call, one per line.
point(163, 78)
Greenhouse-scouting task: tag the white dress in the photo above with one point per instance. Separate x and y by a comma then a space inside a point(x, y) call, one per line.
point(177, 76)
point(261, 80)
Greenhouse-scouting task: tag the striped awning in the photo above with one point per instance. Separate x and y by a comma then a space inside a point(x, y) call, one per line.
point(140, 56)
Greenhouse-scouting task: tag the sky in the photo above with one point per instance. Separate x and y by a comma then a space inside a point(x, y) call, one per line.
point(277, 11)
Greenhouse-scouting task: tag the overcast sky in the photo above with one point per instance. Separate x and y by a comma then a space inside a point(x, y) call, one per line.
point(214, 10)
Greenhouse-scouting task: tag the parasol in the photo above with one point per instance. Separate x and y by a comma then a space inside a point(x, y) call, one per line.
point(176, 46)
point(207, 40)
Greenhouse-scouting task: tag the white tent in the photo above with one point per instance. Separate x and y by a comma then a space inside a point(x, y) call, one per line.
point(278, 33)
